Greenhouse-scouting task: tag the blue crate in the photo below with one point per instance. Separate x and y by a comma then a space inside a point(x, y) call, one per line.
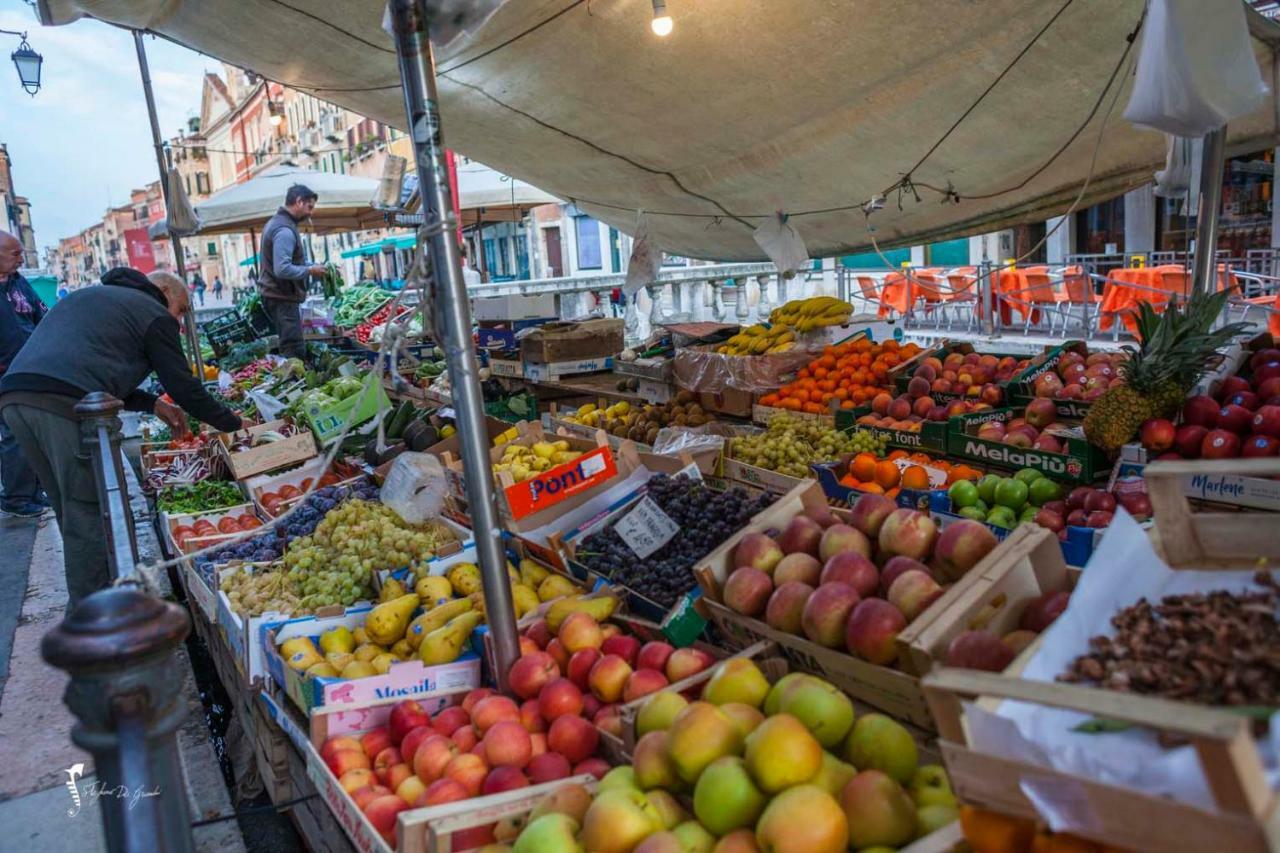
point(1077, 546)
point(841, 494)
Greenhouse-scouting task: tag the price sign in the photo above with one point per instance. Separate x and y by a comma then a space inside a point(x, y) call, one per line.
point(446, 413)
point(646, 528)
point(691, 471)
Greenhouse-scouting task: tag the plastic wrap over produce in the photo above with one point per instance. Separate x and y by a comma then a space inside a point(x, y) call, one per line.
point(704, 370)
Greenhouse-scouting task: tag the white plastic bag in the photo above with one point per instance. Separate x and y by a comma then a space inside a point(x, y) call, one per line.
point(1196, 68)
point(415, 487)
point(783, 245)
point(1174, 179)
point(646, 259)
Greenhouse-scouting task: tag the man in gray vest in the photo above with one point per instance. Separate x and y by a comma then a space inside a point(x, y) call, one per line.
point(283, 282)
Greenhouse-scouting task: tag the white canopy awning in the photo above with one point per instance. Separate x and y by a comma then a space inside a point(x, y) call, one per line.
point(749, 107)
point(342, 204)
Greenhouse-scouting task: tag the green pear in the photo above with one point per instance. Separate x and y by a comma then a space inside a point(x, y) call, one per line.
point(932, 818)
point(773, 701)
point(726, 797)
point(833, 775)
point(737, 680)
point(619, 779)
point(658, 711)
point(879, 743)
point(618, 821)
point(551, 833)
point(825, 711)
point(694, 838)
point(931, 787)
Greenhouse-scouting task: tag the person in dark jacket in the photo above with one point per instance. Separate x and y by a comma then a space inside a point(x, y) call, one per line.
point(283, 281)
point(20, 311)
point(106, 338)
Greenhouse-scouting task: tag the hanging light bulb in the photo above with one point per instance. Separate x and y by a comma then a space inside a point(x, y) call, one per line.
point(661, 23)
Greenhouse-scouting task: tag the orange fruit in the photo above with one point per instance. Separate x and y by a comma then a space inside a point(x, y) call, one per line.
point(915, 477)
point(863, 466)
point(871, 488)
point(887, 474)
point(893, 493)
point(897, 454)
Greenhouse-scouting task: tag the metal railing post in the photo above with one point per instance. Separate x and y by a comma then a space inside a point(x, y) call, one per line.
point(100, 435)
point(438, 244)
point(125, 690)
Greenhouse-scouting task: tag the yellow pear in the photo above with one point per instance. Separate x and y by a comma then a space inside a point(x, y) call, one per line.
point(368, 652)
point(532, 574)
point(358, 669)
point(338, 660)
point(391, 588)
point(402, 649)
point(360, 636)
point(599, 607)
point(464, 578)
point(382, 663)
point(337, 639)
point(300, 653)
point(555, 586)
point(387, 622)
point(433, 590)
point(524, 599)
point(446, 644)
point(435, 618)
point(321, 670)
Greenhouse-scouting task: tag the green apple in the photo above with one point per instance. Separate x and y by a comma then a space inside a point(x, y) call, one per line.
point(932, 818)
point(1011, 493)
point(1043, 490)
point(620, 779)
point(963, 493)
point(929, 786)
point(972, 512)
point(1002, 516)
point(987, 487)
point(1028, 475)
point(880, 743)
point(1028, 513)
point(694, 838)
point(726, 798)
point(551, 833)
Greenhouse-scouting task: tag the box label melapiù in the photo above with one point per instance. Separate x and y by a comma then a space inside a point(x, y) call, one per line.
point(1008, 456)
point(563, 481)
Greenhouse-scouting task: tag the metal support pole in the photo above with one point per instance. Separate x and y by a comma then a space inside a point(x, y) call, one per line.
point(986, 294)
point(1208, 206)
point(193, 336)
point(438, 237)
point(118, 647)
point(100, 435)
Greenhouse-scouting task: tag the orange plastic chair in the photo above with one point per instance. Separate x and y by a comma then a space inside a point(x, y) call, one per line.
point(867, 285)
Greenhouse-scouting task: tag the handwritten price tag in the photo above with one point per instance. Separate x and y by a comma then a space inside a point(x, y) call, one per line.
point(646, 528)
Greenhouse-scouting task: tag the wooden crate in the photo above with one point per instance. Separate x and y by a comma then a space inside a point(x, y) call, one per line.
point(268, 457)
point(1247, 818)
point(991, 595)
point(447, 830)
point(1209, 540)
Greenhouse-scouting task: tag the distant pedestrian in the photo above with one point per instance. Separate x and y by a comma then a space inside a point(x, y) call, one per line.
point(217, 288)
point(283, 282)
point(20, 311)
point(198, 286)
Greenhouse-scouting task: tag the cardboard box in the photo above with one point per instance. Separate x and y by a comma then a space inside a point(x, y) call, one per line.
point(1080, 461)
point(730, 401)
point(499, 309)
point(199, 592)
point(762, 478)
point(242, 632)
point(266, 457)
point(546, 372)
point(327, 422)
point(762, 415)
point(504, 367)
point(405, 680)
point(573, 341)
point(300, 478)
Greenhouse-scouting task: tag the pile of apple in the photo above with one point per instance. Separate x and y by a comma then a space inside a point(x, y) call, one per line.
point(1080, 377)
point(854, 586)
point(784, 768)
point(485, 745)
point(971, 375)
point(1241, 420)
point(589, 669)
point(907, 411)
point(979, 648)
point(1038, 428)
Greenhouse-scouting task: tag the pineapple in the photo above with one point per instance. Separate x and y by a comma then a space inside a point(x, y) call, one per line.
point(1176, 347)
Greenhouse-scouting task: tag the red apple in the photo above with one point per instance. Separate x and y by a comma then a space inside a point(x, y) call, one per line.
point(873, 630)
point(1235, 419)
point(382, 812)
point(573, 737)
point(434, 754)
point(539, 632)
point(492, 710)
point(1259, 445)
point(1200, 411)
point(642, 682)
point(1220, 444)
point(503, 779)
point(686, 662)
point(531, 717)
point(580, 666)
point(450, 720)
point(1099, 501)
point(624, 646)
point(406, 715)
point(854, 569)
point(1232, 385)
point(653, 655)
point(1157, 435)
point(548, 767)
point(561, 697)
point(597, 767)
point(474, 696)
point(1266, 421)
point(409, 746)
point(507, 744)
point(530, 673)
point(1189, 439)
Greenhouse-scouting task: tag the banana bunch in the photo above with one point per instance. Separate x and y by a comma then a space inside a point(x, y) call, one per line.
point(759, 339)
point(811, 313)
point(591, 415)
point(524, 463)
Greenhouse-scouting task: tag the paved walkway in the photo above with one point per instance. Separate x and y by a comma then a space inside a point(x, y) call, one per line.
point(35, 725)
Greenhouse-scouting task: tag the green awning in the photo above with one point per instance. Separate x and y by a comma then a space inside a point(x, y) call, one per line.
point(400, 241)
point(250, 261)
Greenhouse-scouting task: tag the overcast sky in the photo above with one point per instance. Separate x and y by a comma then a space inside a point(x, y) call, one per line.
point(83, 142)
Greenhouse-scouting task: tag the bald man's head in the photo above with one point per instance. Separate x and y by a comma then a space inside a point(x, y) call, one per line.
point(11, 254)
point(175, 292)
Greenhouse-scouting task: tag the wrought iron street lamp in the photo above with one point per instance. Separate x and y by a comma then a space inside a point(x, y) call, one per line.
point(28, 62)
